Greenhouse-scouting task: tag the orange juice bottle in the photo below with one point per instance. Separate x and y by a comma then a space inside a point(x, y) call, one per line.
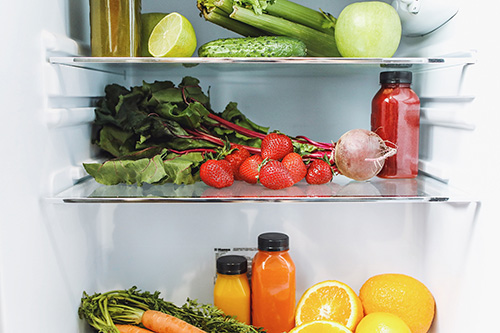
point(273, 284)
point(232, 290)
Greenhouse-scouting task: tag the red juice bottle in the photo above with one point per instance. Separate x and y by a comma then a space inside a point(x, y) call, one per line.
point(396, 119)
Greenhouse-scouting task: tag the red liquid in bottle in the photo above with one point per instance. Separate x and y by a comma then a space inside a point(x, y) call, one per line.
point(396, 119)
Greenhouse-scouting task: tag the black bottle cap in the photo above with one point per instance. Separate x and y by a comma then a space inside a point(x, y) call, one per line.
point(232, 265)
point(396, 77)
point(273, 241)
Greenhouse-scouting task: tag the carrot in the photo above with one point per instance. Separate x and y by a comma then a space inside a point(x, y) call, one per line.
point(160, 322)
point(131, 329)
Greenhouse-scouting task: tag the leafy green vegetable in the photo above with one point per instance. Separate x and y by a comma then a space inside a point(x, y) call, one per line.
point(103, 310)
point(158, 133)
point(162, 168)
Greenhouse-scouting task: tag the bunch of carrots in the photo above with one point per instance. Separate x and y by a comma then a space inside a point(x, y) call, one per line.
point(133, 311)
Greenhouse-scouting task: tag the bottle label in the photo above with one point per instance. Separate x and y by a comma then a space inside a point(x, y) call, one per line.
point(247, 252)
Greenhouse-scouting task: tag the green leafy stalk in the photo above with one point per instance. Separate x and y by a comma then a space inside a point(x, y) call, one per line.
point(318, 44)
point(297, 13)
point(219, 17)
point(225, 5)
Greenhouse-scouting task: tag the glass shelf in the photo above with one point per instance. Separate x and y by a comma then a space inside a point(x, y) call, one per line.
point(342, 189)
point(305, 65)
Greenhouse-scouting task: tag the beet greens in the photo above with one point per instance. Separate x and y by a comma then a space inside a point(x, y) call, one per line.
point(158, 133)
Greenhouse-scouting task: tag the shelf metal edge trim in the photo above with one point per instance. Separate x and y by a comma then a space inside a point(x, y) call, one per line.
point(260, 60)
point(250, 200)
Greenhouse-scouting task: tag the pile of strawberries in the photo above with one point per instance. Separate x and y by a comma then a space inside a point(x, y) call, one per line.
point(277, 167)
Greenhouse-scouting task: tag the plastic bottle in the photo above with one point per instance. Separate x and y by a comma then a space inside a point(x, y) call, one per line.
point(396, 119)
point(273, 284)
point(232, 289)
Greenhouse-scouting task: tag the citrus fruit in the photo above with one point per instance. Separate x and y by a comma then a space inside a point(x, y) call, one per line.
point(321, 326)
point(382, 322)
point(402, 295)
point(173, 36)
point(148, 22)
point(330, 300)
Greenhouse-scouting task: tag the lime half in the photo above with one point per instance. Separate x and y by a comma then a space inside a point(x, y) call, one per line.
point(173, 36)
point(148, 22)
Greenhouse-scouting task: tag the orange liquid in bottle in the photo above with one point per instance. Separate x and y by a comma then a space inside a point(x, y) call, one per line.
point(232, 289)
point(273, 285)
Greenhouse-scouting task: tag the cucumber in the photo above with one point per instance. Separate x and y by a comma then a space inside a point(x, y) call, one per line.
point(262, 46)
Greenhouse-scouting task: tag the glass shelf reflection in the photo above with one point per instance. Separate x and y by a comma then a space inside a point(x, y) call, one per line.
point(342, 189)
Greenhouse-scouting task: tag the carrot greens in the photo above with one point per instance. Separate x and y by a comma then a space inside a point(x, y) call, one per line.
point(103, 311)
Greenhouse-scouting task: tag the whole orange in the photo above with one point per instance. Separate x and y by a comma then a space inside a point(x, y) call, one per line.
point(402, 295)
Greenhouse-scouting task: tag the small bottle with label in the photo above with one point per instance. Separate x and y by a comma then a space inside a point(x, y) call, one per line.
point(273, 284)
point(232, 289)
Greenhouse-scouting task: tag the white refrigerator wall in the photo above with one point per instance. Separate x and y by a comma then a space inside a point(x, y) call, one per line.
point(50, 253)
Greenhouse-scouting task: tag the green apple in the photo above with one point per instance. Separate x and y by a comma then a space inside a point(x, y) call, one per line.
point(368, 30)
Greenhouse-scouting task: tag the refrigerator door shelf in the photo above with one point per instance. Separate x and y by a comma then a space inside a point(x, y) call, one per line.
point(342, 189)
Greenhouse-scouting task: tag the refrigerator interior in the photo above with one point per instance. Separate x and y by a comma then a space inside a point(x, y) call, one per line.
point(51, 251)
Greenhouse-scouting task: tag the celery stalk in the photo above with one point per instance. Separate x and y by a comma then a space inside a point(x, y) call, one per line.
point(220, 18)
point(225, 5)
point(318, 44)
point(303, 15)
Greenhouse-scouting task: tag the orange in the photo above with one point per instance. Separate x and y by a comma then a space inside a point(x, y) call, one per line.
point(330, 300)
point(402, 295)
point(321, 326)
point(382, 322)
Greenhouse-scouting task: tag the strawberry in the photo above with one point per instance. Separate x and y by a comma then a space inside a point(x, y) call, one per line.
point(217, 173)
point(235, 158)
point(275, 146)
point(275, 176)
point(293, 162)
point(249, 169)
point(319, 172)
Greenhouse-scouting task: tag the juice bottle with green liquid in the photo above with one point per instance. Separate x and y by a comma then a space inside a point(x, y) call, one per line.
point(115, 28)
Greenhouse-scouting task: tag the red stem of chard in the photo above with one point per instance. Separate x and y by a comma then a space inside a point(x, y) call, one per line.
point(237, 128)
point(254, 134)
point(321, 145)
point(204, 136)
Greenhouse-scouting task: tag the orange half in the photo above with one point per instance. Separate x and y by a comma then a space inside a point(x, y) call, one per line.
point(330, 300)
point(321, 326)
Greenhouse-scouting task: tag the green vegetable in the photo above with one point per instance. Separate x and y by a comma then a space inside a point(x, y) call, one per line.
point(318, 44)
point(158, 133)
point(278, 17)
point(103, 310)
point(294, 12)
point(263, 46)
point(221, 18)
